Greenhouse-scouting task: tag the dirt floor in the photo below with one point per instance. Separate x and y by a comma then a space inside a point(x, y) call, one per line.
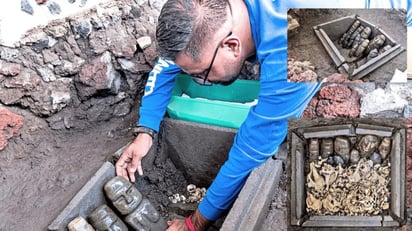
point(41, 170)
point(303, 45)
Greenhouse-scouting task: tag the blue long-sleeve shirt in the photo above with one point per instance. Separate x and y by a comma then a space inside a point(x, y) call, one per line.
point(266, 124)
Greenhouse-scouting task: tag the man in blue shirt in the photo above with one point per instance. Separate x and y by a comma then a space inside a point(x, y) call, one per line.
point(210, 40)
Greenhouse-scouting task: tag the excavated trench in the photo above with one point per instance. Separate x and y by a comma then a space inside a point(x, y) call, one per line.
point(168, 169)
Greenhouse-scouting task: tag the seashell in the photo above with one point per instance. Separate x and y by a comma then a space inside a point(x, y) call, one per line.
point(367, 145)
point(313, 203)
point(342, 148)
point(326, 148)
point(385, 205)
point(385, 147)
point(313, 150)
point(361, 189)
point(329, 173)
point(315, 180)
point(376, 158)
point(353, 174)
point(365, 166)
point(191, 188)
point(330, 204)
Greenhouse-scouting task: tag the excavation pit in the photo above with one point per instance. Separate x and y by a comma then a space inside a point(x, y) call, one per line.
point(187, 153)
point(345, 195)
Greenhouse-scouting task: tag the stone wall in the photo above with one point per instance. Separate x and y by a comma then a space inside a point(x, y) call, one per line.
point(81, 69)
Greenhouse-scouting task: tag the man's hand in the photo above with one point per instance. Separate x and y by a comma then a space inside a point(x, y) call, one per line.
point(177, 225)
point(197, 223)
point(131, 158)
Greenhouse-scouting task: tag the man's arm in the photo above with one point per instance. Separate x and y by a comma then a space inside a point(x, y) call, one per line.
point(158, 91)
point(258, 138)
point(157, 94)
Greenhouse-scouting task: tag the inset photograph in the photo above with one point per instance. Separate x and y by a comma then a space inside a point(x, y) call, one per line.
point(366, 45)
point(347, 174)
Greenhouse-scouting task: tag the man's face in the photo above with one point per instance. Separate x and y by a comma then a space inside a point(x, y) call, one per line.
point(220, 64)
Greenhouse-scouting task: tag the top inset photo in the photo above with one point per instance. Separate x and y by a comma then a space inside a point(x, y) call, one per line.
point(338, 45)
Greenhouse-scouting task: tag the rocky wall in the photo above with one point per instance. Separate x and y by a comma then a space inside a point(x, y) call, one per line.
point(79, 70)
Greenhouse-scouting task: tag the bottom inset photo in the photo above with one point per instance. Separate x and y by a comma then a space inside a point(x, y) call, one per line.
point(347, 173)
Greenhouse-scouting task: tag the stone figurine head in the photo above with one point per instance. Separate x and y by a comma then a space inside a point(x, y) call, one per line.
point(103, 218)
point(342, 146)
point(123, 194)
point(367, 145)
point(313, 150)
point(326, 148)
point(385, 147)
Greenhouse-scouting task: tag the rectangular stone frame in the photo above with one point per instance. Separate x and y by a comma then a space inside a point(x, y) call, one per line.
point(298, 215)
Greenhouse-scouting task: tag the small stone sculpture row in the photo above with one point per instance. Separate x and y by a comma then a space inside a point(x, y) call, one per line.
point(345, 151)
point(138, 212)
point(358, 39)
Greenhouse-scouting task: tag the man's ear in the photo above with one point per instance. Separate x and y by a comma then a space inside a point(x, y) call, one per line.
point(233, 44)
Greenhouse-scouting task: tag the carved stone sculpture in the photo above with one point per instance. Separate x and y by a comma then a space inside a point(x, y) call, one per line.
point(313, 150)
point(326, 148)
point(138, 211)
point(367, 145)
point(104, 219)
point(385, 147)
point(342, 148)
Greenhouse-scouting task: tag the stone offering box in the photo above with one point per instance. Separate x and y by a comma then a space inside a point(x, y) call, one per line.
point(301, 132)
point(199, 150)
point(330, 33)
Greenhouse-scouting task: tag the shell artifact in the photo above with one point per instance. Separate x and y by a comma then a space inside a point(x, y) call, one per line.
point(314, 179)
point(313, 203)
point(361, 189)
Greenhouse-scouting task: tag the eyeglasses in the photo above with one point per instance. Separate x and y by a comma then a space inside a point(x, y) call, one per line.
point(203, 81)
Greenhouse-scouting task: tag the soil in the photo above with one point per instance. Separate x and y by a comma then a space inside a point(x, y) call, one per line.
point(42, 169)
point(303, 45)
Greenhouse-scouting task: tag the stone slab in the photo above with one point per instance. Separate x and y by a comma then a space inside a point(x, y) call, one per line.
point(197, 149)
point(336, 221)
point(329, 131)
point(86, 200)
point(252, 204)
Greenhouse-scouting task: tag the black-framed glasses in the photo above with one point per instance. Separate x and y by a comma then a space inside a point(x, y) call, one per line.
point(203, 81)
